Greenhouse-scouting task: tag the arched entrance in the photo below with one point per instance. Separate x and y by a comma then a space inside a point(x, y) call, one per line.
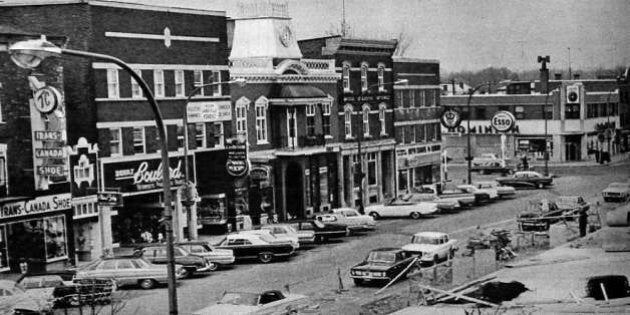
point(294, 190)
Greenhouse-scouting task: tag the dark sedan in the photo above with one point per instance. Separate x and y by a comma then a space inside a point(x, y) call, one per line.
point(323, 231)
point(526, 179)
point(382, 264)
point(247, 246)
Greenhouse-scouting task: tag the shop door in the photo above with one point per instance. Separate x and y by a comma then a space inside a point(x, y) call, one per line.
point(572, 148)
point(294, 190)
point(291, 128)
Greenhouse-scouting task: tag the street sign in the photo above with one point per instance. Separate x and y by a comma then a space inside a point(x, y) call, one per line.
point(110, 198)
point(503, 121)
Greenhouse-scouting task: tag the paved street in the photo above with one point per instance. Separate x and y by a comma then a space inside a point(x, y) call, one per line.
point(314, 271)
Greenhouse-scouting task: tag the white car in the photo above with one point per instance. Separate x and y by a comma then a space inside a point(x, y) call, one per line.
point(268, 302)
point(303, 237)
point(431, 247)
point(401, 207)
point(491, 192)
point(502, 191)
point(350, 217)
point(275, 238)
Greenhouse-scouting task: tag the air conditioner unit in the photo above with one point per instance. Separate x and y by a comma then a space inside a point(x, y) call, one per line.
point(573, 94)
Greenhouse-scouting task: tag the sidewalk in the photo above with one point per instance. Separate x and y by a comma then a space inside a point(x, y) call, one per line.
point(619, 158)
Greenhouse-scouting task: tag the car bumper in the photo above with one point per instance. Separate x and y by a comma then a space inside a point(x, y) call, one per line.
point(368, 278)
point(361, 228)
point(223, 260)
point(309, 240)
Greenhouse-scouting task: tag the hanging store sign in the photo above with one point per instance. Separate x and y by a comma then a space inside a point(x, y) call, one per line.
point(503, 121)
point(40, 204)
point(236, 164)
point(451, 118)
point(83, 158)
point(209, 111)
point(143, 175)
point(47, 99)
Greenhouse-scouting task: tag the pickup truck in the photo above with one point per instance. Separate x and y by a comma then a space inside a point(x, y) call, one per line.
point(465, 199)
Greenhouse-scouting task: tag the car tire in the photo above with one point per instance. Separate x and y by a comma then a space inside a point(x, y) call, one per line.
point(147, 284)
point(436, 260)
point(415, 215)
point(348, 232)
point(357, 282)
point(265, 257)
point(212, 266)
point(319, 239)
point(375, 215)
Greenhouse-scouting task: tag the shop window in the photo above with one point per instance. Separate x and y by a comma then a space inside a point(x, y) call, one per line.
point(345, 76)
point(381, 77)
point(136, 91)
point(348, 121)
point(158, 82)
point(3, 170)
point(112, 83)
point(371, 169)
point(216, 88)
point(381, 119)
point(200, 134)
point(403, 184)
point(572, 111)
point(115, 142)
point(4, 253)
point(366, 120)
point(602, 109)
point(241, 117)
point(219, 135)
point(138, 140)
point(326, 119)
point(612, 109)
point(310, 120)
point(198, 81)
point(179, 83)
point(41, 239)
point(261, 120)
point(323, 185)
point(364, 77)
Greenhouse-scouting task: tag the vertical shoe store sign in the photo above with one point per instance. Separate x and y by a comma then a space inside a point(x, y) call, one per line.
point(48, 125)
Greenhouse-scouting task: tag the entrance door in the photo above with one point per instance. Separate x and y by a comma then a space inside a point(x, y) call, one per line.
point(294, 190)
point(573, 148)
point(291, 128)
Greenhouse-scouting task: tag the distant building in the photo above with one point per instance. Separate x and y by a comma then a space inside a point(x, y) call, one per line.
point(454, 88)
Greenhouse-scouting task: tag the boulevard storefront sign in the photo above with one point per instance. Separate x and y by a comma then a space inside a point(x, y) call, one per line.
point(142, 175)
point(40, 204)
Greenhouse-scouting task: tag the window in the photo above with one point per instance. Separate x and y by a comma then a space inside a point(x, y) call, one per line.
point(381, 119)
point(572, 111)
point(381, 77)
point(326, 119)
point(158, 83)
point(179, 83)
point(602, 110)
point(138, 140)
point(438, 132)
point(115, 143)
point(347, 116)
point(261, 120)
point(366, 120)
point(345, 76)
point(421, 133)
point(520, 112)
point(136, 91)
point(112, 83)
point(180, 137)
point(241, 116)
point(480, 113)
point(310, 120)
point(364, 77)
point(412, 99)
point(399, 98)
point(219, 135)
point(371, 168)
point(422, 98)
point(200, 135)
point(3, 171)
point(431, 96)
point(198, 81)
point(216, 88)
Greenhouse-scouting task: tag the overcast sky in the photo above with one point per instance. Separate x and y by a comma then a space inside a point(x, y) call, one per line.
point(473, 34)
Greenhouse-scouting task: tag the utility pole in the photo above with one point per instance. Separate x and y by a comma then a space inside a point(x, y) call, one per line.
point(570, 75)
point(544, 85)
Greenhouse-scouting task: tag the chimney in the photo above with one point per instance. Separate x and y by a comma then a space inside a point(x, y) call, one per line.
point(576, 76)
point(557, 76)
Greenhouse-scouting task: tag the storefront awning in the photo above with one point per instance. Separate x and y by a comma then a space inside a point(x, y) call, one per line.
point(300, 91)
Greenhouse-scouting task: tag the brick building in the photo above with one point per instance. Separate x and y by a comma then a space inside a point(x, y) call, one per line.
point(174, 50)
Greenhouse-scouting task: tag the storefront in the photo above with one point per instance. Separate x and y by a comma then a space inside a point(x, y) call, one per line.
point(36, 231)
point(417, 166)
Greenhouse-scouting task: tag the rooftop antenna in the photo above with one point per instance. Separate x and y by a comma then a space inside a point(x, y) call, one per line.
point(570, 75)
point(343, 18)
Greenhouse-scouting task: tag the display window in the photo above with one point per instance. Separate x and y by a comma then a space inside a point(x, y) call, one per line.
point(42, 239)
point(4, 255)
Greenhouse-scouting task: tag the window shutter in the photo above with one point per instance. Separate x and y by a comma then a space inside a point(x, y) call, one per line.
point(192, 142)
point(104, 137)
point(171, 135)
point(210, 135)
point(127, 139)
point(151, 139)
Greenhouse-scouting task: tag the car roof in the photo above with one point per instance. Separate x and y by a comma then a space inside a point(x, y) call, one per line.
point(387, 249)
point(343, 209)
point(430, 234)
point(193, 243)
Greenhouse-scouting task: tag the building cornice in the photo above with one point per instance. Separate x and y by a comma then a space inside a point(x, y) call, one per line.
point(114, 4)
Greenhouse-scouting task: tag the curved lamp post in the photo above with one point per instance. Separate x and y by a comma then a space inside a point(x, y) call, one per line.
point(30, 53)
point(187, 199)
point(359, 171)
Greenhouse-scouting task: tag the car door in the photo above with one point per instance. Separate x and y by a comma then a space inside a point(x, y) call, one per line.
point(106, 270)
point(126, 272)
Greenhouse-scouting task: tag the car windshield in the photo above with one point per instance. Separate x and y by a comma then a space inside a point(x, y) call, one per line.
point(239, 298)
point(267, 238)
point(385, 257)
point(45, 281)
point(350, 213)
point(424, 240)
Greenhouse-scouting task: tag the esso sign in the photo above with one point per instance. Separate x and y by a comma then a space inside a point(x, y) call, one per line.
point(503, 121)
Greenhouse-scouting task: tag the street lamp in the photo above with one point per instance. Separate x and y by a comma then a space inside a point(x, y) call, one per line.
point(189, 187)
point(608, 129)
point(30, 53)
point(468, 157)
point(544, 82)
point(359, 171)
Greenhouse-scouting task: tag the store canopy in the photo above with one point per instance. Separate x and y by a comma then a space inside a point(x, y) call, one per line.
point(300, 91)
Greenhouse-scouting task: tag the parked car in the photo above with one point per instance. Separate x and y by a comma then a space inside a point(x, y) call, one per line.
point(65, 293)
point(481, 195)
point(323, 231)
point(571, 205)
point(303, 237)
point(526, 179)
point(465, 199)
point(401, 207)
point(381, 264)
point(617, 192)
point(215, 256)
point(191, 263)
point(127, 271)
point(489, 163)
point(261, 247)
point(268, 302)
point(275, 238)
point(355, 221)
point(431, 247)
point(15, 300)
point(502, 191)
point(443, 204)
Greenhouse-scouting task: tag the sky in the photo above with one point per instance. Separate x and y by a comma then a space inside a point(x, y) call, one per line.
point(471, 34)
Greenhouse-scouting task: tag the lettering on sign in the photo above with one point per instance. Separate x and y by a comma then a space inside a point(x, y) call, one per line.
point(46, 99)
point(481, 129)
point(51, 170)
point(237, 164)
point(50, 153)
point(503, 121)
point(209, 111)
point(38, 205)
point(49, 136)
point(144, 175)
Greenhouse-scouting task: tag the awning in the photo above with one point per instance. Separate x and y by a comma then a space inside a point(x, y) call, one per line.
point(300, 91)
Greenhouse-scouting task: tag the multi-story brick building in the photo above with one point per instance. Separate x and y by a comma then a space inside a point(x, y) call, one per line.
point(417, 122)
point(174, 50)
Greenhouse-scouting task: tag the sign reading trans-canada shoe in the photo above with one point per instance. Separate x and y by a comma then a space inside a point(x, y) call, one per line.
point(503, 121)
point(450, 119)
